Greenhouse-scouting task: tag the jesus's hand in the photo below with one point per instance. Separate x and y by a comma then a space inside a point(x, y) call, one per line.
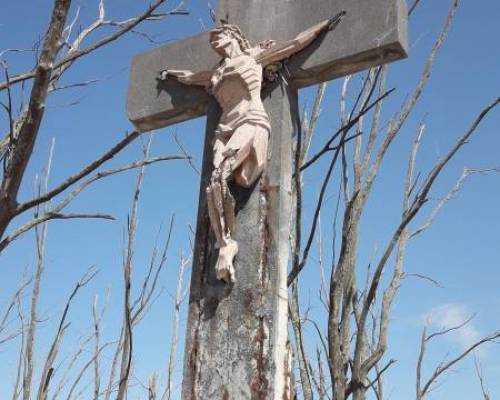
point(179, 74)
point(334, 21)
point(163, 75)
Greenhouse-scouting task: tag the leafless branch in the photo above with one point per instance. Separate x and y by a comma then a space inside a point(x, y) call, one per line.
point(114, 365)
point(29, 129)
point(76, 85)
point(378, 377)
point(167, 394)
point(22, 348)
point(96, 316)
point(127, 349)
point(466, 173)
point(58, 53)
point(47, 217)
point(82, 371)
point(145, 297)
point(304, 370)
point(361, 369)
point(425, 277)
point(423, 388)
point(183, 151)
point(342, 131)
point(375, 122)
point(479, 372)
point(55, 212)
point(127, 26)
point(413, 6)
point(129, 138)
point(152, 387)
point(9, 138)
point(310, 123)
point(7, 51)
point(48, 369)
point(63, 381)
point(411, 212)
point(28, 367)
point(4, 322)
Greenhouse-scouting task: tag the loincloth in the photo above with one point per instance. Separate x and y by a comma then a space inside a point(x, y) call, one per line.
point(225, 129)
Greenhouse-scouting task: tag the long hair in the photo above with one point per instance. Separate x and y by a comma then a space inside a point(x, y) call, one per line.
point(235, 32)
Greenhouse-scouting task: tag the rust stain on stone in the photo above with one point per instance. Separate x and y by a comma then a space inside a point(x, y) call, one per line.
point(260, 383)
point(248, 298)
point(264, 231)
point(204, 258)
point(287, 371)
point(193, 360)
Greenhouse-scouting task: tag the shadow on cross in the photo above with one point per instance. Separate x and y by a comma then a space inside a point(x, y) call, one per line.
point(181, 95)
point(298, 59)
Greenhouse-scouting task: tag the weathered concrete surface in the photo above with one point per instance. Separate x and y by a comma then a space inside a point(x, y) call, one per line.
point(236, 336)
point(152, 103)
point(373, 32)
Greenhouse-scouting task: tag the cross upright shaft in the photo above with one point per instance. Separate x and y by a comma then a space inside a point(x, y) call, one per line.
point(236, 335)
point(236, 341)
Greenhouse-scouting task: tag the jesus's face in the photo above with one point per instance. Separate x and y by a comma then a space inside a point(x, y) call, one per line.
point(225, 44)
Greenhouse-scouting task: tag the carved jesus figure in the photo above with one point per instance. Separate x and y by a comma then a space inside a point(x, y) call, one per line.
point(241, 138)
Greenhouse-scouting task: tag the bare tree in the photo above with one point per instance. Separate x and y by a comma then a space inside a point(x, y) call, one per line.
point(62, 47)
point(65, 43)
point(358, 315)
point(71, 378)
point(424, 387)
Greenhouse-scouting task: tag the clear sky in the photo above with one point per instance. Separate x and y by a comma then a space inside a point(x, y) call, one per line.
point(461, 250)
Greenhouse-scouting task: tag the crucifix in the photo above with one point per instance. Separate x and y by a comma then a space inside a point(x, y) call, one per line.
point(244, 75)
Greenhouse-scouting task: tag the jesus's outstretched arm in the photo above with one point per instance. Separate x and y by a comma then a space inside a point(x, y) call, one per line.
point(187, 77)
point(279, 51)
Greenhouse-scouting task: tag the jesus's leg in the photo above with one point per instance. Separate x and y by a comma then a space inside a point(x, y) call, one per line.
point(254, 161)
point(244, 158)
point(221, 205)
point(213, 215)
point(229, 247)
point(214, 195)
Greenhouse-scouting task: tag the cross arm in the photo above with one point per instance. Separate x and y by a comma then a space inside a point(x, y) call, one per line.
point(371, 33)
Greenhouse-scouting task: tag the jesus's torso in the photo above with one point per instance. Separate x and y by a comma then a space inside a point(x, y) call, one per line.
point(236, 84)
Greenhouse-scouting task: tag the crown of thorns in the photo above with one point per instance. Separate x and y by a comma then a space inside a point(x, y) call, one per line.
point(235, 32)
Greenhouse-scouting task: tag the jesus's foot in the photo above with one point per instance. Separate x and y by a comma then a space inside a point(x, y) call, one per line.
point(224, 268)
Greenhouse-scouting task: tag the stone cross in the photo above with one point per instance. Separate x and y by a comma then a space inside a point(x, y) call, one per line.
point(236, 341)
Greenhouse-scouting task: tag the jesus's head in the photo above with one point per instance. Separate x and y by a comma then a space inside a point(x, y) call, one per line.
point(228, 41)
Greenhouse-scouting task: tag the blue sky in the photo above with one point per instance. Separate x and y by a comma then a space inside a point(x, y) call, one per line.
point(461, 250)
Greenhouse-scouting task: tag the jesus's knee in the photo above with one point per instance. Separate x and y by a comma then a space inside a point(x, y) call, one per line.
point(243, 181)
point(248, 174)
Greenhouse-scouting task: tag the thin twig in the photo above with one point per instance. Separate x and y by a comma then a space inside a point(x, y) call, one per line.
point(48, 369)
point(167, 395)
point(127, 27)
point(127, 349)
